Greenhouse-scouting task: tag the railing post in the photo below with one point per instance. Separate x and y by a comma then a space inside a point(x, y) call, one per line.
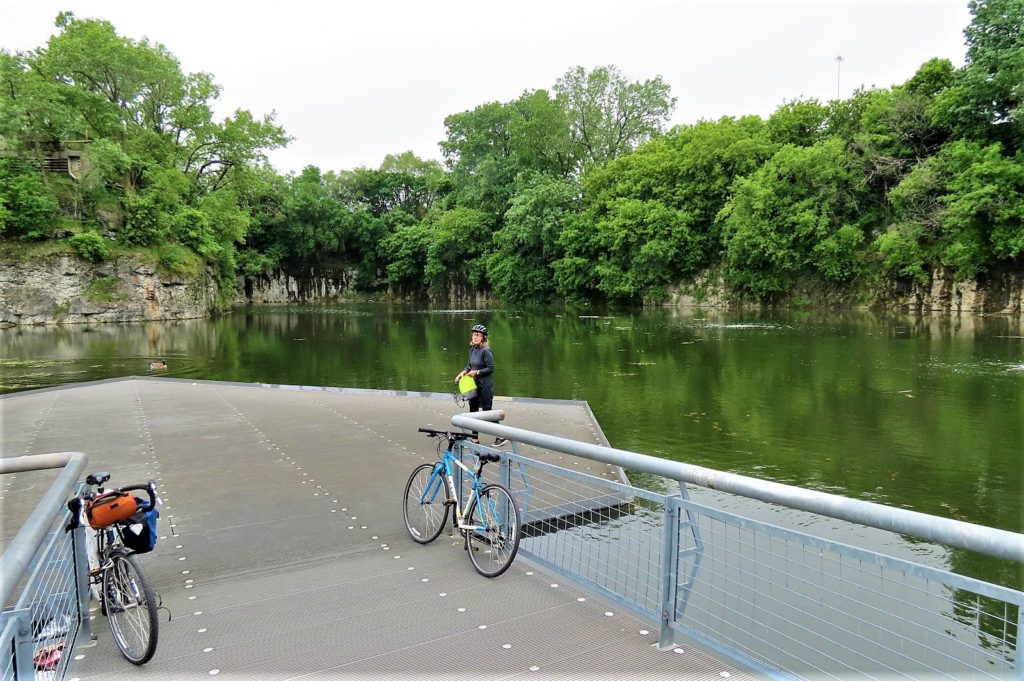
point(23, 645)
point(506, 472)
point(669, 558)
point(80, 551)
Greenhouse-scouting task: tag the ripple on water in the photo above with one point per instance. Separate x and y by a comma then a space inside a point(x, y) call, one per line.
point(741, 325)
point(979, 368)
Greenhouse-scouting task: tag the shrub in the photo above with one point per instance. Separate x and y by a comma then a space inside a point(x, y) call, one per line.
point(143, 222)
point(177, 259)
point(90, 246)
point(27, 208)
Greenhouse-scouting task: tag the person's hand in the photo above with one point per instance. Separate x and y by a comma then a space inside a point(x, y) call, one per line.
point(473, 372)
point(459, 376)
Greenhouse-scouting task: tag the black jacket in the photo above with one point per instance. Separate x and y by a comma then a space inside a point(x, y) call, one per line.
point(481, 359)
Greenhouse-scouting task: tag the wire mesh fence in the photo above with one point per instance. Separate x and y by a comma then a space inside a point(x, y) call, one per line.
point(819, 608)
point(609, 535)
point(46, 618)
point(775, 599)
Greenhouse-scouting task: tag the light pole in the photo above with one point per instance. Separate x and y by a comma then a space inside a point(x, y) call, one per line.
point(839, 65)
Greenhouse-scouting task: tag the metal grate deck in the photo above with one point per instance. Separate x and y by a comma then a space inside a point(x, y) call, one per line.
point(283, 553)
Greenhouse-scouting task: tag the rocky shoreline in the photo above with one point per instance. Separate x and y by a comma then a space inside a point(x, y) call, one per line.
point(63, 289)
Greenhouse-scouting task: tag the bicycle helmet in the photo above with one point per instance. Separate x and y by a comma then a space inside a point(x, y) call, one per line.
point(481, 329)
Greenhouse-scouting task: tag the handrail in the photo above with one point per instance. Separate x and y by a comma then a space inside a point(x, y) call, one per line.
point(987, 540)
point(18, 555)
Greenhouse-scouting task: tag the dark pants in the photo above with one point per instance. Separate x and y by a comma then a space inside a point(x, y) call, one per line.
point(483, 401)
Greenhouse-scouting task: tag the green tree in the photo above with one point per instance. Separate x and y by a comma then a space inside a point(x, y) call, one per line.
point(478, 151)
point(488, 147)
point(404, 183)
point(654, 211)
point(33, 113)
point(540, 135)
point(316, 225)
point(641, 246)
point(962, 209)
point(265, 241)
point(457, 243)
point(609, 115)
point(985, 102)
point(405, 251)
point(158, 169)
point(907, 246)
point(986, 196)
point(934, 76)
point(519, 268)
point(802, 123)
point(799, 212)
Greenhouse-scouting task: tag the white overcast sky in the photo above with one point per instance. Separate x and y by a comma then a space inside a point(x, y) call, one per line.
point(355, 81)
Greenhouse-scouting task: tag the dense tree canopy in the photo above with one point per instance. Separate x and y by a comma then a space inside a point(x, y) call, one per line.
point(608, 115)
point(576, 191)
point(157, 169)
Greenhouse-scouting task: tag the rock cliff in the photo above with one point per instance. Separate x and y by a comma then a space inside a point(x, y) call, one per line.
point(63, 289)
point(285, 287)
point(997, 292)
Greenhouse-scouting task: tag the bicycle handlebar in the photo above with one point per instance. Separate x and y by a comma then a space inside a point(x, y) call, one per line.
point(446, 433)
point(484, 457)
point(149, 488)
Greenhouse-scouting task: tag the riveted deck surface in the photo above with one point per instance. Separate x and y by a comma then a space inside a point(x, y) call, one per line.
point(283, 553)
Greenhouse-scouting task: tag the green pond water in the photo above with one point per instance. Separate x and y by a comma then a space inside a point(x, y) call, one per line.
point(920, 413)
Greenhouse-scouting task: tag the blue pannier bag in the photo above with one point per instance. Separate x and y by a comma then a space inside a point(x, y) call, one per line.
point(139, 532)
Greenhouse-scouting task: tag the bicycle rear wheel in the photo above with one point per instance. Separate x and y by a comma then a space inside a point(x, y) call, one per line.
point(130, 608)
point(425, 506)
point(493, 546)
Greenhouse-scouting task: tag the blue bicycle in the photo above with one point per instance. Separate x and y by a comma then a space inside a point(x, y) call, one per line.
point(489, 520)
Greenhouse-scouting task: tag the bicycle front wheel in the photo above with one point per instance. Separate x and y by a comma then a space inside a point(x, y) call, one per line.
point(425, 504)
point(131, 608)
point(492, 546)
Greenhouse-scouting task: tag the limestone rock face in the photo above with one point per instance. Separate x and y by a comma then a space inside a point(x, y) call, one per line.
point(63, 289)
point(705, 290)
point(293, 287)
point(997, 292)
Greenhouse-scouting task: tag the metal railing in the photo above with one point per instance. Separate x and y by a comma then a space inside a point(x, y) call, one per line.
point(44, 588)
point(778, 600)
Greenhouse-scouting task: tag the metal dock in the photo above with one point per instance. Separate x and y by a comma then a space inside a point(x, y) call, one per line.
point(283, 554)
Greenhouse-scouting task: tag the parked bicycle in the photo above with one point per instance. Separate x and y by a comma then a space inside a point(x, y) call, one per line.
point(125, 525)
point(488, 518)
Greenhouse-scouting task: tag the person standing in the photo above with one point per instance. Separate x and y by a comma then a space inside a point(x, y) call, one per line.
point(481, 367)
